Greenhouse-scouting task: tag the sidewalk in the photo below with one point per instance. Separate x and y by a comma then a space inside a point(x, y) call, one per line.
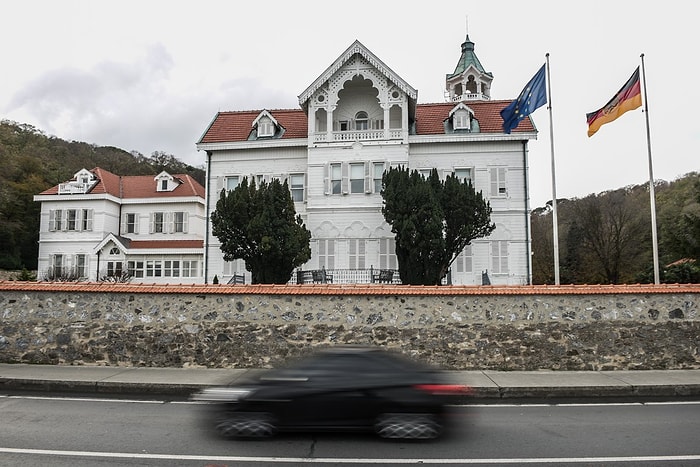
point(487, 385)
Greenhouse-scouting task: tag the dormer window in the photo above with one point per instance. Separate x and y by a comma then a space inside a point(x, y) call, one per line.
point(82, 183)
point(165, 182)
point(460, 120)
point(265, 125)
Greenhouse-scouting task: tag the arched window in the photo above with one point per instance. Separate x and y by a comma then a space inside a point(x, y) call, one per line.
point(361, 121)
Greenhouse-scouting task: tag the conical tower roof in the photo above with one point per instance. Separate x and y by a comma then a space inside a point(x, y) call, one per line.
point(468, 58)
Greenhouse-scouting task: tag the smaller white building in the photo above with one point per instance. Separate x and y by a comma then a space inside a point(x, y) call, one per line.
point(101, 226)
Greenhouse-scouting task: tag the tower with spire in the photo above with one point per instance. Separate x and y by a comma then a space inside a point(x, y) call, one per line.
point(469, 81)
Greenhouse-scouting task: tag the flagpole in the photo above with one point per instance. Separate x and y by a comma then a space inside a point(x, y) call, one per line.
point(652, 196)
point(555, 222)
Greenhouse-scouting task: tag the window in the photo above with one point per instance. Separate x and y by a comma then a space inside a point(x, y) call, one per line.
point(55, 219)
point(361, 121)
point(425, 172)
point(81, 266)
point(326, 253)
point(499, 257)
point(463, 174)
point(114, 251)
point(157, 221)
point(135, 268)
point(154, 269)
point(189, 269)
point(356, 253)
point(296, 182)
point(72, 219)
point(460, 120)
point(498, 181)
point(357, 178)
point(336, 179)
point(164, 185)
point(464, 261)
point(232, 182)
point(57, 266)
point(378, 171)
point(114, 268)
point(180, 222)
point(171, 268)
point(343, 125)
point(265, 127)
point(130, 223)
point(86, 219)
point(387, 253)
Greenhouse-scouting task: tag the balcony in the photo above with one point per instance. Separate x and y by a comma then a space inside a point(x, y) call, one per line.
point(73, 188)
point(471, 96)
point(357, 135)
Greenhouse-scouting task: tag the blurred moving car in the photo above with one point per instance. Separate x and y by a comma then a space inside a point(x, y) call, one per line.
point(338, 389)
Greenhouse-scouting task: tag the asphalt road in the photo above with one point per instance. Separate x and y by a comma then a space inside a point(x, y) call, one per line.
point(41, 429)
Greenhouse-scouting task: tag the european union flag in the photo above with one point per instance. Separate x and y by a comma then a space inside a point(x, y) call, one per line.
point(533, 96)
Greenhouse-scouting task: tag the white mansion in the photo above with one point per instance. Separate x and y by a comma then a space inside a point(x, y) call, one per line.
point(357, 119)
point(102, 226)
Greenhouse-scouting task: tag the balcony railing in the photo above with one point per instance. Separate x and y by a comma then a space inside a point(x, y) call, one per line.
point(471, 96)
point(72, 188)
point(357, 135)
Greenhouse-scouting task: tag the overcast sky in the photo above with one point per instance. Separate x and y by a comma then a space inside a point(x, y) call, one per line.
point(150, 75)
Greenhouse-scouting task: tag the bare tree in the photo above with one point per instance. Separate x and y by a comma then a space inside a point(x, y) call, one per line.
point(612, 226)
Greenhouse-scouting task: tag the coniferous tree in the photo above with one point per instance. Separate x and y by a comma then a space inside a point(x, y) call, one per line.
point(260, 226)
point(432, 221)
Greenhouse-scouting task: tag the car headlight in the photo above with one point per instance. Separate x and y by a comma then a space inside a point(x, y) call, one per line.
point(221, 394)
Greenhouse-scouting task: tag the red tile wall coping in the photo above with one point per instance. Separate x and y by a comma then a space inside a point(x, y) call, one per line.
point(346, 289)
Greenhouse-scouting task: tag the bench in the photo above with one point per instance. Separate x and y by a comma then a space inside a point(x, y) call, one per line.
point(385, 275)
point(237, 279)
point(320, 276)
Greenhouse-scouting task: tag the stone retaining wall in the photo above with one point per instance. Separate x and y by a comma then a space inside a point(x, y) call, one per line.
point(516, 328)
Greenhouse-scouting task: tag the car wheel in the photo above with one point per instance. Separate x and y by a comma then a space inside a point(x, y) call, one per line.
point(246, 425)
point(408, 426)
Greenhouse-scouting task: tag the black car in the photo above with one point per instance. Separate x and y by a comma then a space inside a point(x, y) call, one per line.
point(338, 389)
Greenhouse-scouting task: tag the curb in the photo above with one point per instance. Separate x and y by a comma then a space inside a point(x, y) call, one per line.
point(478, 393)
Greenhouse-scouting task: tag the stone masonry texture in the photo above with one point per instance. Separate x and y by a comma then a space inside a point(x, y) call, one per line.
point(239, 327)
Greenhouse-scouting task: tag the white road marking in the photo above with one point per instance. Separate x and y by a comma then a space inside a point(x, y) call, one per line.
point(341, 460)
point(494, 405)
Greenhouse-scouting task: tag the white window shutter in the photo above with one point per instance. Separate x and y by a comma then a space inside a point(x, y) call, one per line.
point(327, 179)
point(52, 220)
point(152, 222)
point(123, 227)
point(368, 177)
point(345, 178)
point(185, 221)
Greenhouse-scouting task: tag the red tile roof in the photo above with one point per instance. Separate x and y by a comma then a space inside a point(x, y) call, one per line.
point(138, 186)
point(180, 244)
point(430, 117)
point(236, 126)
point(348, 289)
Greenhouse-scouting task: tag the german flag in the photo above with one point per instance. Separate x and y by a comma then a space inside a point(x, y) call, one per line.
point(627, 98)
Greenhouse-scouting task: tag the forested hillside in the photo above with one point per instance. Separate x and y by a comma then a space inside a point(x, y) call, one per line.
point(606, 238)
point(31, 162)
